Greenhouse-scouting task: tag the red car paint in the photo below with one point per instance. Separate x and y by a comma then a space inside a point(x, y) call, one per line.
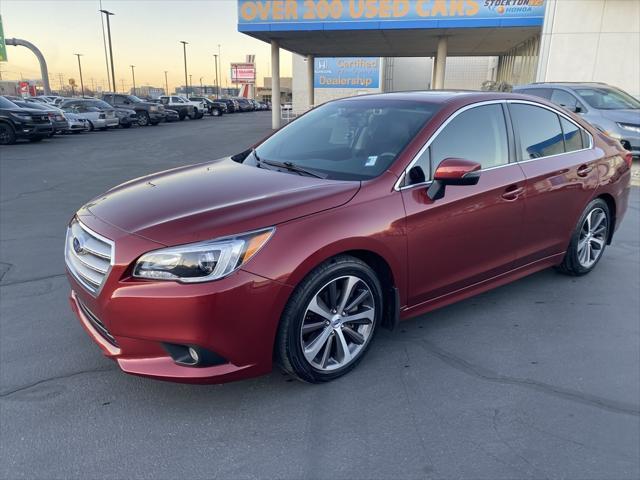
point(516, 220)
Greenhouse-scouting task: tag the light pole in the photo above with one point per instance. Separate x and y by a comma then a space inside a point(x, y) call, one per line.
point(184, 51)
point(113, 74)
point(219, 66)
point(201, 89)
point(166, 83)
point(215, 56)
point(190, 91)
point(133, 75)
point(80, 68)
point(104, 44)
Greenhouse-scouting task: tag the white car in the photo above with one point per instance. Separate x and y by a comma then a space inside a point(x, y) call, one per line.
point(177, 103)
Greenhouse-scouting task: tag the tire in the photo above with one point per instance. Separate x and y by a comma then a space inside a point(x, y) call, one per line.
point(7, 135)
point(588, 241)
point(325, 359)
point(199, 115)
point(143, 119)
point(216, 113)
point(181, 115)
point(91, 127)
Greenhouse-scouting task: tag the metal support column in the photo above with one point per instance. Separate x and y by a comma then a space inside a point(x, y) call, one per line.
point(275, 84)
point(310, 73)
point(439, 65)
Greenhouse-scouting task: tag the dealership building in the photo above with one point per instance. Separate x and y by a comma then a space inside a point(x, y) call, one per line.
point(350, 47)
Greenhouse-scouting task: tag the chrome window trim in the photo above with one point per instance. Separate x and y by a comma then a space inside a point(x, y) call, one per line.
point(91, 290)
point(402, 176)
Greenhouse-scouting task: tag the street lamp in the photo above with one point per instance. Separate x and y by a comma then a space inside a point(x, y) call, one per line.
point(133, 75)
point(166, 83)
point(215, 56)
point(220, 67)
point(190, 86)
point(184, 51)
point(201, 90)
point(113, 74)
point(80, 68)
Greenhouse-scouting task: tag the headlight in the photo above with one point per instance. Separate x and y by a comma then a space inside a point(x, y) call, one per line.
point(630, 127)
point(22, 116)
point(202, 261)
point(153, 109)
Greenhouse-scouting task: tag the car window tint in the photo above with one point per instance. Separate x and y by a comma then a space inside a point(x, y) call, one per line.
point(478, 134)
point(564, 99)
point(539, 130)
point(572, 136)
point(586, 141)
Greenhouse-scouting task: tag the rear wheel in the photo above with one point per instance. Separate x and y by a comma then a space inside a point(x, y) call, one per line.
point(143, 119)
point(589, 239)
point(7, 135)
point(330, 320)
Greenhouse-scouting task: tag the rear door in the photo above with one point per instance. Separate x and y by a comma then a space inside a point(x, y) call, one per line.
point(560, 167)
point(473, 232)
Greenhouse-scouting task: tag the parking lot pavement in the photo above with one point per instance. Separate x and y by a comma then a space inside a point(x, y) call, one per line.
point(537, 379)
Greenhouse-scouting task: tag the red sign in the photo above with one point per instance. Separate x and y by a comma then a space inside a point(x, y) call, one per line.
point(243, 73)
point(23, 88)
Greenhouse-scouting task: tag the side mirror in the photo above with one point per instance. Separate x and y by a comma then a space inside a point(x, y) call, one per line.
point(577, 109)
point(453, 171)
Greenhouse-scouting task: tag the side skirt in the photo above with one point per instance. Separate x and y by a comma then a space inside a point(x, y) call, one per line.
point(481, 287)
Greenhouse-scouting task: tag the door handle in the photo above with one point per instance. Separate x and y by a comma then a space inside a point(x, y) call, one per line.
point(584, 170)
point(512, 192)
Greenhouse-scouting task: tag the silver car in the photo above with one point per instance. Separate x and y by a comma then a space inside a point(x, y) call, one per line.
point(607, 108)
point(99, 114)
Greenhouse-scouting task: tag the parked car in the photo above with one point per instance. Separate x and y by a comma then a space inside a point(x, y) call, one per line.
point(171, 115)
point(232, 105)
point(22, 123)
point(76, 123)
point(148, 113)
point(609, 109)
point(126, 117)
point(185, 108)
point(406, 202)
point(56, 116)
point(100, 115)
point(244, 104)
point(214, 108)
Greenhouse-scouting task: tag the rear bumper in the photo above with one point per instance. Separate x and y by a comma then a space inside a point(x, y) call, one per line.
point(236, 318)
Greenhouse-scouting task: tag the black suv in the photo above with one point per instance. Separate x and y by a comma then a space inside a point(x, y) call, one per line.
point(148, 113)
point(214, 107)
point(16, 122)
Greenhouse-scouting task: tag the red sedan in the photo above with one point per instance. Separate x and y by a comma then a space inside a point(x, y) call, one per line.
point(361, 213)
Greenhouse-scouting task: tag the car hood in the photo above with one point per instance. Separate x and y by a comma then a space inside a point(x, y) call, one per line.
point(215, 199)
point(623, 116)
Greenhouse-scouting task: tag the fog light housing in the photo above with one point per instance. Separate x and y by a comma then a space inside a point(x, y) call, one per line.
point(193, 355)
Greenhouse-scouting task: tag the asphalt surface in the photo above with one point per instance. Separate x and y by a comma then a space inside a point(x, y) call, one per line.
point(537, 379)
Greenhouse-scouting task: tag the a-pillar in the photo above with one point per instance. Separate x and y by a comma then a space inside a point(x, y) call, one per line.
point(310, 73)
point(439, 65)
point(275, 84)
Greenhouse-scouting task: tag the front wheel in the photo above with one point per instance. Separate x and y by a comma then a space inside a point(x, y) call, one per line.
point(330, 320)
point(589, 239)
point(143, 119)
point(7, 135)
point(216, 112)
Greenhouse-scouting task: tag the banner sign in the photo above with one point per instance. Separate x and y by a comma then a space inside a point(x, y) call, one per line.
point(3, 46)
point(243, 73)
point(291, 15)
point(347, 72)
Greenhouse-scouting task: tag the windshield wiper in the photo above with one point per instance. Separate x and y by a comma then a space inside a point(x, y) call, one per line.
point(290, 166)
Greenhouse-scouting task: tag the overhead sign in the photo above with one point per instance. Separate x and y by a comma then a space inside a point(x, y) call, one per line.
point(243, 73)
point(347, 72)
point(291, 15)
point(3, 45)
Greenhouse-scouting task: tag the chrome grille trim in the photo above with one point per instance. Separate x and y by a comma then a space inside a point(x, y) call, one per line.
point(90, 259)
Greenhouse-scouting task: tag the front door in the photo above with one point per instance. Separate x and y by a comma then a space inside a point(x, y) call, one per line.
point(473, 232)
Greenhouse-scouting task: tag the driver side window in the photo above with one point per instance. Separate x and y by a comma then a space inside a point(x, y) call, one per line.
point(478, 134)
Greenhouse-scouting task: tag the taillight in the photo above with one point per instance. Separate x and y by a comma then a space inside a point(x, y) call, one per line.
point(628, 158)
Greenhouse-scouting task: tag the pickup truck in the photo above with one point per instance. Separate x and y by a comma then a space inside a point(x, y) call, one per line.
point(184, 107)
point(215, 109)
point(148, 113)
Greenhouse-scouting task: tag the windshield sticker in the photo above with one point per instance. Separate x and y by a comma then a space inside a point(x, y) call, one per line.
point(371, 161)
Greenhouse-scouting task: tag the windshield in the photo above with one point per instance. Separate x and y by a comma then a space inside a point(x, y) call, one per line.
point(4, 103)
point(608, 99)
point(134, 99)
point(348, 139)
point(99, 104)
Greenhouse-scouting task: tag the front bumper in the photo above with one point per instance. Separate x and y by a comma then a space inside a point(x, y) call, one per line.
point(235, 317)
point(33, 130)
point(156, 116)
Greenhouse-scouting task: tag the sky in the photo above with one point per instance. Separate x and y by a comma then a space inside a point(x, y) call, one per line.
point(145, 33)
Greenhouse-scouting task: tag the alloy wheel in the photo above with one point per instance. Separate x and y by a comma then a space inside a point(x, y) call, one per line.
point(338, 323)
point(593, 237)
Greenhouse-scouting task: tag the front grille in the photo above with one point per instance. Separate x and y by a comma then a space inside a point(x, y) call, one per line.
point(88, 256)
point(97, 324)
